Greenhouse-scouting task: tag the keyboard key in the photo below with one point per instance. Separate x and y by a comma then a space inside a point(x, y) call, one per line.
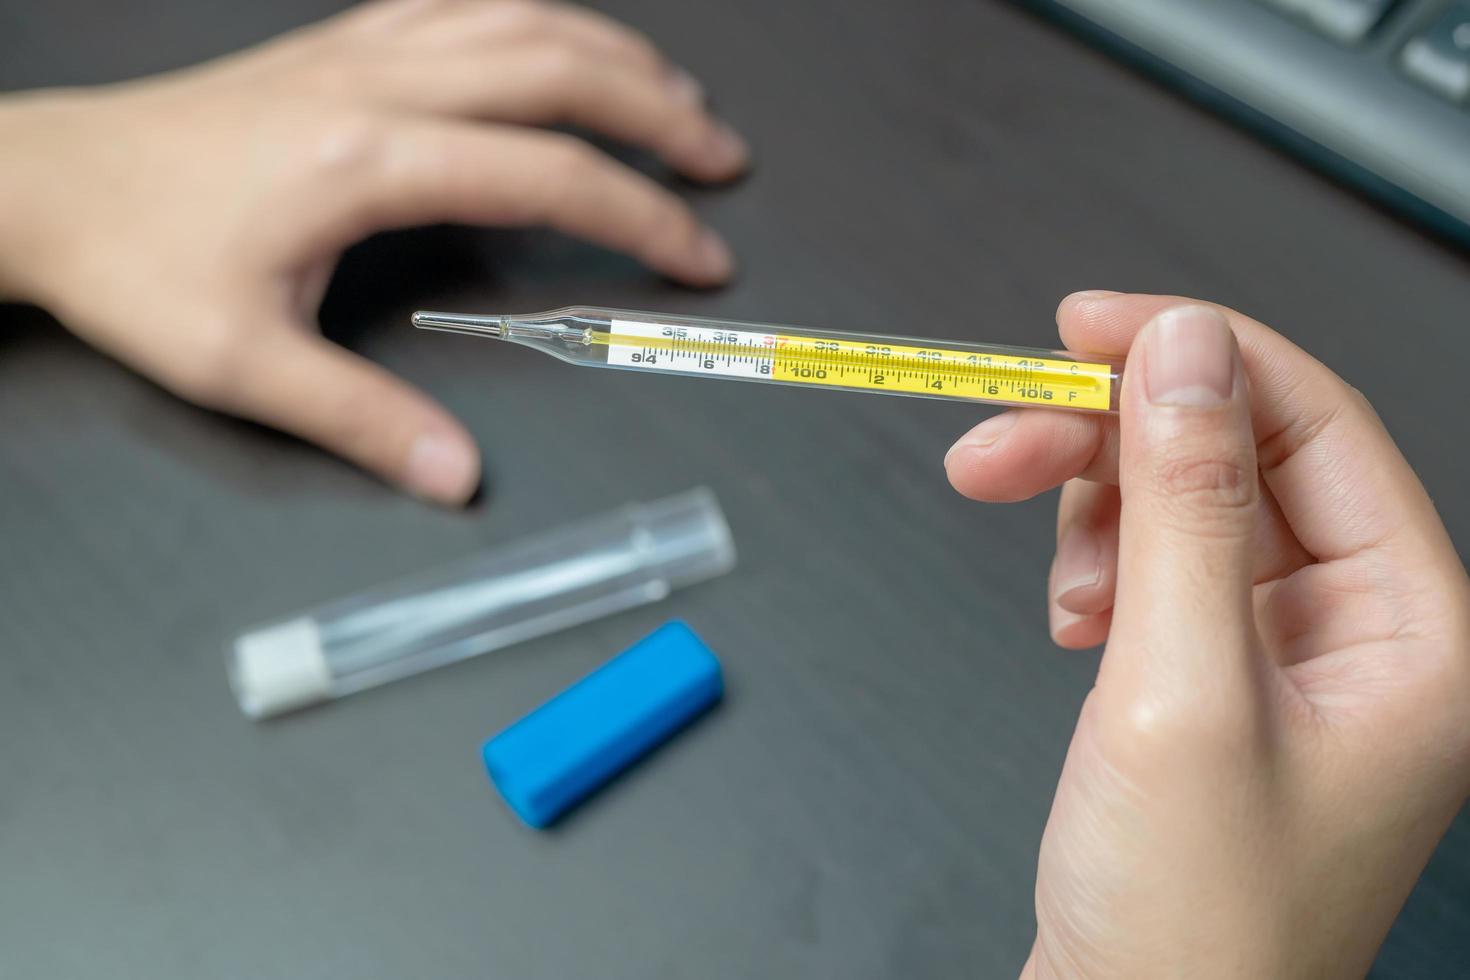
point(1440, 57)
point(1348, 21)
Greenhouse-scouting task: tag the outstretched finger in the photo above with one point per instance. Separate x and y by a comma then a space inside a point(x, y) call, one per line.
point(1025, 451)
point(417, 171)
point(551, 84)
point(291, 379)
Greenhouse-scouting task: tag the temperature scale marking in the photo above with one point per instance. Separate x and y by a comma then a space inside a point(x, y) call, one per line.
point(934, 371)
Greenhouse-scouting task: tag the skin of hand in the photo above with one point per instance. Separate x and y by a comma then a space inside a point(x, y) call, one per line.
point(1277, 735)
point(188, 223)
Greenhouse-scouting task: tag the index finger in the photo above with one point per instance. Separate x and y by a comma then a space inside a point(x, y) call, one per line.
point(1340, 481)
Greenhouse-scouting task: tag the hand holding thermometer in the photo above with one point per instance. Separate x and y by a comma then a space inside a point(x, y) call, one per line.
point(948, 369)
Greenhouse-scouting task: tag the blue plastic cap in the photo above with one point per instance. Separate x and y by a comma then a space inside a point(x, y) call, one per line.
point(564, 750)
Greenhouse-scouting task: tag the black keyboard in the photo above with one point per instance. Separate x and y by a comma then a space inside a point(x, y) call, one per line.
point(1375, 91)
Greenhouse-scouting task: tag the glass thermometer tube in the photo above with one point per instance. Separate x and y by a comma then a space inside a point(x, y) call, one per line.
point(874, 363)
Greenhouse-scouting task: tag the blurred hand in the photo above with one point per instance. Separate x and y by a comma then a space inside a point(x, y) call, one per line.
point(188, 224)
point(1278, 732)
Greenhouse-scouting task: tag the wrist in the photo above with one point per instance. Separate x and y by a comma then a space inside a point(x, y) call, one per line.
point(30, 123)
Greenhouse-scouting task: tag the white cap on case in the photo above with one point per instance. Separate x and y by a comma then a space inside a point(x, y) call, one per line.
point(279, 668)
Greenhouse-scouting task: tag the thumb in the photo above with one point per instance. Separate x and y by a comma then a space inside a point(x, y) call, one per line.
point(294, 380)
point(1190, 487)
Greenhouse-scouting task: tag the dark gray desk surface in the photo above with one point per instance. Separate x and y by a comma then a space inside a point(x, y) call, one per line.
point(868, 801)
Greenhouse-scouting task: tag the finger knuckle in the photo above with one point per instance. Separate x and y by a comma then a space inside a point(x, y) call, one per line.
point(1207, 488)
point(569, 162)
point(524, 18)
point(210, 372)
point(1359, 401)
point(565, 165)
point(560, 67)
point(1361, 409)
point(640, 48)
point(331, 76)
point(347, 143)
point(635, 47)
point(1151, 728)
point(355, 422)
point(1221, 479)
